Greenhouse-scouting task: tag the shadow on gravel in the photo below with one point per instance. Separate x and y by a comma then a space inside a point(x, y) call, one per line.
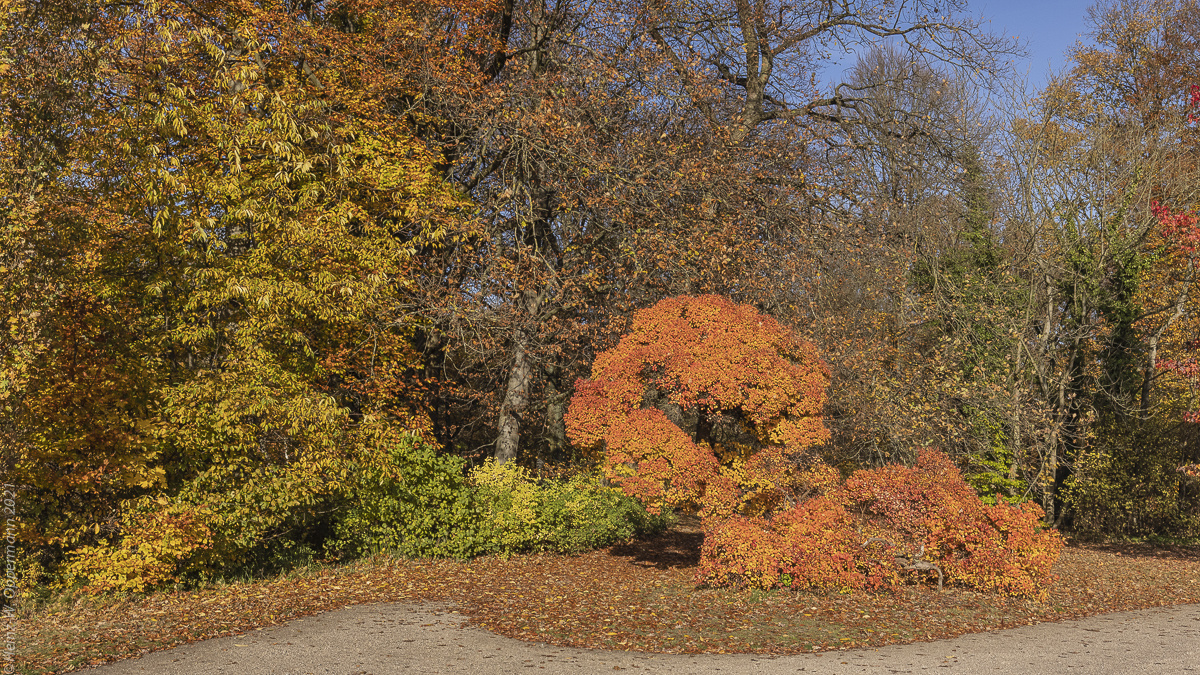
point(678, 547)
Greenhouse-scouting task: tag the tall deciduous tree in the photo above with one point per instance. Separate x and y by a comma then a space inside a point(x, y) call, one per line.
point(1110, 137)
point(623, 152)
point(926, 268)
point(217, 214)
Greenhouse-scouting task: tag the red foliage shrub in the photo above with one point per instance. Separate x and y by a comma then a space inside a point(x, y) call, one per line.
point(929, 512)
point(811, 545)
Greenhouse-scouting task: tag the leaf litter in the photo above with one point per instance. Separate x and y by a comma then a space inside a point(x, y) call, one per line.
point(637, 596)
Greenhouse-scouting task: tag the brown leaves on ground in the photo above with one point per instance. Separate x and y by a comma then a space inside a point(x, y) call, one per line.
point(635, 596)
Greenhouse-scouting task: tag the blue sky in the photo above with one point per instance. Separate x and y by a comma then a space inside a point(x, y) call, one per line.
point(1047, 28)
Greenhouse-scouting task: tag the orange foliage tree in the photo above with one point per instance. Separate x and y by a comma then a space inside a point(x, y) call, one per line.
point(708, 403)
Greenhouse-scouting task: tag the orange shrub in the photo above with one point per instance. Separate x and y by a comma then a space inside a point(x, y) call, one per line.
point(930, 511)
point(812, 545)
point(927, 512)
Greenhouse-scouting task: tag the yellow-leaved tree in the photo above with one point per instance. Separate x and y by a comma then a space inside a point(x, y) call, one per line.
point(207, 258)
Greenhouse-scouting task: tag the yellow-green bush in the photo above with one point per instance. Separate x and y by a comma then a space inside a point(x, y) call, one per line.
point(425, 506)
point(236, 519)
point(159, 541)
point(410, 500)
point(419, 506)
point(511, 502)
point(522, 513)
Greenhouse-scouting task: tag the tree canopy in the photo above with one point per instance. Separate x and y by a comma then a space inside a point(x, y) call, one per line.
point(249, 249)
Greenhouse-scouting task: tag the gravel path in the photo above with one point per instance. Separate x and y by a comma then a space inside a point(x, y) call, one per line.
point(427, 639)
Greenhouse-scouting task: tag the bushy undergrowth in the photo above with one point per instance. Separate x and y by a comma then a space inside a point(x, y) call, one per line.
point(416, 502)
point(866, 531)
point(433, 510)
point(1130, 484)
point(421, 505)
point(564, 515)
point(156, 546)
point(228, 520)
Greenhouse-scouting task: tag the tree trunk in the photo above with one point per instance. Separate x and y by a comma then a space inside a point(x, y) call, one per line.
point(1014, 434)
point(516, 397)
point(556, 408)
point(1152, 356)
point(520, 377)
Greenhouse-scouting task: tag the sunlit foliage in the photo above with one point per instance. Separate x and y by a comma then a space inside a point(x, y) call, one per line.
point(746, 396)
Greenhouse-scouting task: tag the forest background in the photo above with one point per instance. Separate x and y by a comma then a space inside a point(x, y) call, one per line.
point(260, 258)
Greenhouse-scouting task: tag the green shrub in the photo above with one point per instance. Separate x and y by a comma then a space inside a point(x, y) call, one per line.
point(521, 513)
point(419, 506)
point(423, 505)
point(581, 513)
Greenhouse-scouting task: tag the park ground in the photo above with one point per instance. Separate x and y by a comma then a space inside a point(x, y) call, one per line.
point(638, 596)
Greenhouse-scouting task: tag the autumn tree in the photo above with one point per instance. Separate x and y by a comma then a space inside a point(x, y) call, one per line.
point(217, 215)
point(914, 299)
point(1110, 137)
point(620, 154)
point(709, 404)
point(1180, 229)
point(1140, 478)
